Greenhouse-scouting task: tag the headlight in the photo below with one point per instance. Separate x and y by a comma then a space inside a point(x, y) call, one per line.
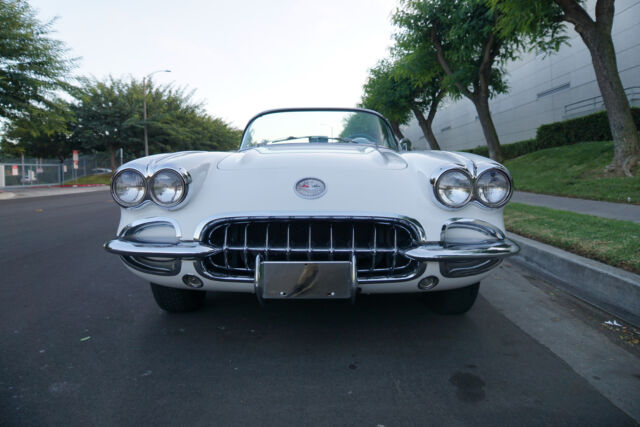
point(128, 188)
point(167, 187)
point(493, 188)
point(454, 188)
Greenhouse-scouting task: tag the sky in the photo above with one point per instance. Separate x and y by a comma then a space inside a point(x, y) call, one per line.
point(241, 56)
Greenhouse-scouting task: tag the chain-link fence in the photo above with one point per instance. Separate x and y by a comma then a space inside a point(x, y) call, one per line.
point(16, 172)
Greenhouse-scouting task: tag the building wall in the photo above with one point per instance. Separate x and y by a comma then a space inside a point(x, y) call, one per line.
point(542, 89)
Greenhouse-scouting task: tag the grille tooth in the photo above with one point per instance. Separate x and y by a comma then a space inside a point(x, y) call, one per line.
point(375, 243)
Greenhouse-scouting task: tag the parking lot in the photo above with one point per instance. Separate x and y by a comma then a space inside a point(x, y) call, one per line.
point(83, 343)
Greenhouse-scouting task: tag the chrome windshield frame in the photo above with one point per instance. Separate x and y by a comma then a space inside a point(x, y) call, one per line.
point(318, 109)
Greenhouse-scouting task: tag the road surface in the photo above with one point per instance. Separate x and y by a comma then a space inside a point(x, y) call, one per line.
point(83, 343)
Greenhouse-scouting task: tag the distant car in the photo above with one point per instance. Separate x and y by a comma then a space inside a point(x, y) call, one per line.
point(97, 171)
point(26, 179)
point(317, 203)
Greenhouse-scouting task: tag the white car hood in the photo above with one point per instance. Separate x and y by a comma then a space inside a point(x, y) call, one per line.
point(303, 156)
point(360, 180)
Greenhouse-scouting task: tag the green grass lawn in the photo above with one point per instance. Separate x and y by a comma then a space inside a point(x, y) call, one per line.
point(575, 171)
point(611, 241)
point(104, 178)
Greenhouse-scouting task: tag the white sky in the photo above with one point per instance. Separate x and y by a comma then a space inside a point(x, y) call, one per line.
point(241, 56)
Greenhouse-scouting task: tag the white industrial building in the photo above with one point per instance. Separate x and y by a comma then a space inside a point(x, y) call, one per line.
point(543, 89)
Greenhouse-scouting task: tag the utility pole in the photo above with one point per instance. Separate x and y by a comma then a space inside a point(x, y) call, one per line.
point(144, 107)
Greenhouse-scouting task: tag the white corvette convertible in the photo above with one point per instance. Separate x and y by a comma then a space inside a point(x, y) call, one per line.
point(316, 203)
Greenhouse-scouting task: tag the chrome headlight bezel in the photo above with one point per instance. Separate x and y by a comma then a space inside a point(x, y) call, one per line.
point(184, 180)
point(121, 202)
point(438, 180)
point(478, 193)
point(475, 193)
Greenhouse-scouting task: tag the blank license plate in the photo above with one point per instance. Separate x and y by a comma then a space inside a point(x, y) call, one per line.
point(305, 280)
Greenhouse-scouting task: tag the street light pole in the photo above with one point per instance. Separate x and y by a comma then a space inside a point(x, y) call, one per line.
point(144, 107)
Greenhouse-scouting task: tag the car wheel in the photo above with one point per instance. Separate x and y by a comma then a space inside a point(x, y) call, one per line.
point(176, 300)
point(454, 301)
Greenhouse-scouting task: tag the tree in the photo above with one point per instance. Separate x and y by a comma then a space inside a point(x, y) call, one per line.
point(421, 67)
point(177, 122)
point(388, 96)
point(109, 117)
point(537, 16)
point(405, 86)
point(32, 65)
point(469, 48)
point(45, 134)
point(105, 117)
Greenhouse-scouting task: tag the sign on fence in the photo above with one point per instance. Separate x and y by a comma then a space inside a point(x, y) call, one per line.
point(14, 170)
point(75, 159)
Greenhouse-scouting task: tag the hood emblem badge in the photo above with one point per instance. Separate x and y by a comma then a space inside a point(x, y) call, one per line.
point(310, 188)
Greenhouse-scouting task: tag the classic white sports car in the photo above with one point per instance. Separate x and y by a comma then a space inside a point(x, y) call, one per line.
point(316, 203)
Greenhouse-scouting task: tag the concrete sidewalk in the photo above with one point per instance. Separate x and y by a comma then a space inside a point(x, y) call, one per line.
point(23, 193)
point(622, 211)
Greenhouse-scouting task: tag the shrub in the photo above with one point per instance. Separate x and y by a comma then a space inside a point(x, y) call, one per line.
point(594, 127)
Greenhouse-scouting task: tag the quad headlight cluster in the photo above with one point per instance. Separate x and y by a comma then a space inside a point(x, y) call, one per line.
point(166, 187)
point(455, 188)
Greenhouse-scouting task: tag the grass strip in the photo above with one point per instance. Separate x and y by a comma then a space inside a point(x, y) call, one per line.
point(574, 171)
point(610, 241)
point(104, 178)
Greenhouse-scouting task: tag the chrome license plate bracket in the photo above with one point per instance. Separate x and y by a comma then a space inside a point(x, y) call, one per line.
point(305, 280)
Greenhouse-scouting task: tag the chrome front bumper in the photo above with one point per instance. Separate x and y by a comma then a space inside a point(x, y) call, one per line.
point(435, 251)
point(461, 240)
point(130, 246)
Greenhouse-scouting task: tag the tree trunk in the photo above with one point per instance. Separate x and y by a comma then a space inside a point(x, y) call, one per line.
point(481, 103)
point(426, 128)
point(396, 128)
point(623, 129)
point(112, 156)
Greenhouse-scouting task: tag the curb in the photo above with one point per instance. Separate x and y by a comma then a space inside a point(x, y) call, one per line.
point(609, 288)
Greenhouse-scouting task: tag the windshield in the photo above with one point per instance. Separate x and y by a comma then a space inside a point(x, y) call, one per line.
point(318, 127)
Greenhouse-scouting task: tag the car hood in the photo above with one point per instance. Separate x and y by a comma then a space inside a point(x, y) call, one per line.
point(301, 156)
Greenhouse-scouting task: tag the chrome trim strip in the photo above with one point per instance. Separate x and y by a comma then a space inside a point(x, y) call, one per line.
point(472, 224)
point(302, 215)
point(449, 269)
point(494, 246)
point(142, 264)
point(131, 247)
point(354, 279)
point(439, 252)
point(141, 224)
point(258, 279)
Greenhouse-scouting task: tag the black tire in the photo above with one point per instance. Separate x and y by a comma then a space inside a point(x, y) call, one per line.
point(176, 300)
point(454, 301)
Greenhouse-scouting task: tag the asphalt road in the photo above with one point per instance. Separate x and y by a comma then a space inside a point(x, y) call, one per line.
point(83, 343)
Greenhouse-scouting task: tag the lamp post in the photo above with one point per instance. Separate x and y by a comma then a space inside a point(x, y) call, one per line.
point(329, 126)
point(144, 107)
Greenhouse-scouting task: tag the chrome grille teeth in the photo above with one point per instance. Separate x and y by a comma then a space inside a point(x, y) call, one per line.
point(375, 243)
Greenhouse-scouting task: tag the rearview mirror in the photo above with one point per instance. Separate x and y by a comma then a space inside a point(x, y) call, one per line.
point(405, 144)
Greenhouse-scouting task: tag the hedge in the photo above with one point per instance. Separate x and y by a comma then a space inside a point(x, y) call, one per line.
point(594, 127)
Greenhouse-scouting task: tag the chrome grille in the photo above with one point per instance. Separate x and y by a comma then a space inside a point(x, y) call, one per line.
point(376, 244)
